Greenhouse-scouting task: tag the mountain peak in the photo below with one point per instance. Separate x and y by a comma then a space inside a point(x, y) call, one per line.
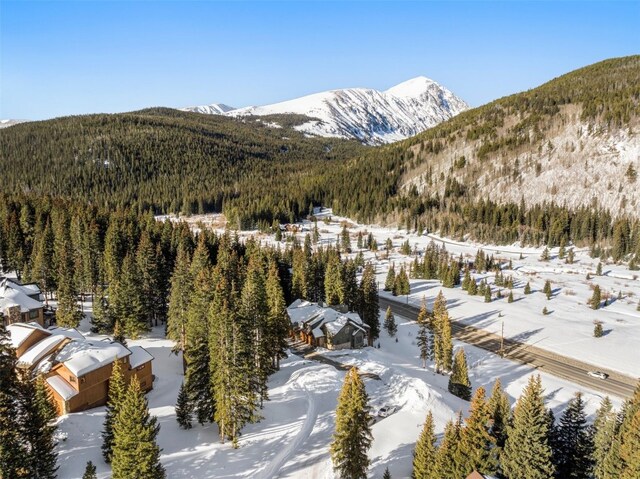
point(412, 88)
point(213, 109)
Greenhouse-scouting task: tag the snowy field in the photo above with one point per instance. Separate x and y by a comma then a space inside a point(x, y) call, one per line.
point(292, 440)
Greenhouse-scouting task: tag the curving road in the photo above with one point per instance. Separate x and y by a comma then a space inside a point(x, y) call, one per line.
point(561, 366)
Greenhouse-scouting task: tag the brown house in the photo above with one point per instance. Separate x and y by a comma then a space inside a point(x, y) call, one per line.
point(19, 303)
point(77, 369)
point(327, 327)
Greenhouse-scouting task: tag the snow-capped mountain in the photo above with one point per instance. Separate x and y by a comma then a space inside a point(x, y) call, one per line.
point(213, 109)
point(369, 115)
point(7, 123)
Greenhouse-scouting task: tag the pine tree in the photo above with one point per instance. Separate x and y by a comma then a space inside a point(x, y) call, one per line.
point(570, 257)
point(547, 289)
point(350, 282)
point(102, 321)
point(605, 428)
point(197, 382)
point(448, 458)
point(573, 456)
point(125, 300)
point(277, 318)
point(369, 307)
point(37, 413)
point(596, 298)
point(443, 344)
point(12, 448)
point(459, 384)
point(352, 438)
point(529, 427)
point(466, 281)
point(597, 330)
point(545, 254)
point(527, 288)
point(477, 446)
point(134, 438)
point(390, 322)
point(90, 471)
point(181, 287)
point(599, 269)
point(510, 297)
point(499, 412)
point(333, 281)
point(473, 287)
point(391, 279)
point(630, 445)
point(425, 335)
point(387, 474)
point(424, 455)
point(487, 294)
point(116, 396)
point(345, 240)
point(184, 408)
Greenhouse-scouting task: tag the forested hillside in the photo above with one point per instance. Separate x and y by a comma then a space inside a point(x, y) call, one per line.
point(170, 161)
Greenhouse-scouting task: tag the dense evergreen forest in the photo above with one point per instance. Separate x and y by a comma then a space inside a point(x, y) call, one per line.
point(162, 160)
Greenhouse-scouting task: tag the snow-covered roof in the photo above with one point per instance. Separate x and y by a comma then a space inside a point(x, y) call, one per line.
point(70, 333)
point(62, 387)
point(20, 332)
point(12, 297)
point(301, 311)
point(38, 351)
point(314, 316)
point(139, 356)
point(28, 289)
point(82, 357)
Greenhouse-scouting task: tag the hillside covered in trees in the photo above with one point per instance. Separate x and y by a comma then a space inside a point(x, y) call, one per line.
point(551, 165)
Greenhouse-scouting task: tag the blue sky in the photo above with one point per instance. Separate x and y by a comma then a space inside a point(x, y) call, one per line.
point(60, 58)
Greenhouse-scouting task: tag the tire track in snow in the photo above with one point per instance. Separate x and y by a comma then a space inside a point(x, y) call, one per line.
point(273, 468)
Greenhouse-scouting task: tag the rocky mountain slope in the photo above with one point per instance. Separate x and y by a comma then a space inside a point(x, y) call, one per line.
point(368, 115)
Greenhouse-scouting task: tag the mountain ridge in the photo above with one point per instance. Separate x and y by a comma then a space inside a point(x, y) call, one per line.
point(366, 114)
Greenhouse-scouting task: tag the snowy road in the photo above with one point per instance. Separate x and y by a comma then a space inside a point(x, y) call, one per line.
point(560, 366)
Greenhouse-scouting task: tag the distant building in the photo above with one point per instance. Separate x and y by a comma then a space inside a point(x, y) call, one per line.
point(327, 327)
point(77, 369)
point(20, 303)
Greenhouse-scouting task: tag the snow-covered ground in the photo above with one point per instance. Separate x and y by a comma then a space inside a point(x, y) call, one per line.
point(293, 438)
point(567, 330)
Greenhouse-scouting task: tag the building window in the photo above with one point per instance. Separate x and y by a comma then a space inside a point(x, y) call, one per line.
point(82, 380)
point(140, 368)
point(72, 379)
point(34, 313)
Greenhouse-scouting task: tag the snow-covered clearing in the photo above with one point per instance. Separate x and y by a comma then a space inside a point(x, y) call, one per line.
point(293, 438)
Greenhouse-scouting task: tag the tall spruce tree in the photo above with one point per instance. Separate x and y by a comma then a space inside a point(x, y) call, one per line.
point(12, 448)
point(500, 412)
point(605, 428)
point(391, 278)
point(181, 288)
point(477, 446)
point(197, 382)
point(424, 455)
point(184, 408)
point(37, 430)
point(334, 289)
point(443, 344)
point(425, 335)
point(135, 452)
point(116, 395)
point(527, 454)
point(390, 322)
point(459, 384)
point(575, 443)
point(369, 306)
point(277, 317)
point(448, 458)
point(352, 438)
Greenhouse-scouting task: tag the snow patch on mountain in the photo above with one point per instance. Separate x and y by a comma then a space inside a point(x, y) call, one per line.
point(7, 123)
point(369, 115)
point(213, 109)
